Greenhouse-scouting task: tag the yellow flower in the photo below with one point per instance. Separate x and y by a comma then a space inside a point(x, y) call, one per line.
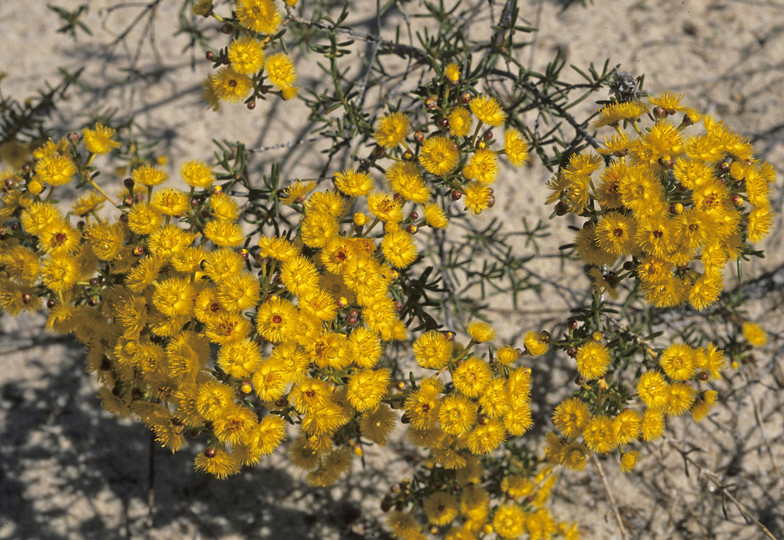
point(593, 360)
point(235, 424)
point(239, 292)
point(385, 207)
point(480, 332)
point(404, 179)
point(275, 319)
point(378, 423)
point(228, 85)
point(202, 8)
point(478, 197)
point(471, 376)
point(299, 275)
point(318, 228)
point(439, 155)
point(87, 203)
point(615, 234)
point(171, 202)
point(486, 436)
point(148, 175)
point(680, 397)
point(629, 460)
point(99, 140)
point(213, 398)
point(280, 71)
point(617, 145)
point(197, 174)
point(224, 233)
point(56, 170)
point(663, 141)
point(509, 520)
point(399, 248)
point(754, 334)
point(258, 15)
point(482, 166)
point(226, 328)
point(652, 389)
point(570, 417)
point(403, 525)
point(297, 191)
point(224, 207)
point(760, 223)
point(652, 426)
point(217, 462)
point(432, 350)
point(626, 426)
point(459, 122)
point(59, 272)
point(422, 408)
point(391, 130)
point(246, 55)
point(366, 388)
point(588, 249)
point(536, 343)
point(540, 524)
point(488, 110)
point(168, 240)
point(353, 183)
point(613, 113)
point(441, 508)
point(515, 147)
point(599, 435)
point(679, 362)
point(457, 414)
point(435, 216)
point(452, 73)
point(239, 359)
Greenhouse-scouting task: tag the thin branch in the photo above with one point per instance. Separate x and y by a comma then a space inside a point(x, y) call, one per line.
point(613, 504)
point(714, 479)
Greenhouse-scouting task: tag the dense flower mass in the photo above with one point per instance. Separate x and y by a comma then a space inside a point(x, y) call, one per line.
point(326, 330)
point(677, 206)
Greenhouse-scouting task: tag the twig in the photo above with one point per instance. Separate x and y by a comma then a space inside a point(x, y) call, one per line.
point(764, 433)
point(714, 478)
point(613, 504)
point(151, 482)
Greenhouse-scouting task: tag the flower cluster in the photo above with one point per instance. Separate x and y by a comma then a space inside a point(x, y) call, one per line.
point(482, 406)
point(247, 64)
point(458, 156)
point(600, 419)
point(672, 209)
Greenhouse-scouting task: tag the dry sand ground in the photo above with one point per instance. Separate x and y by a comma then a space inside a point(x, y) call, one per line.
point(70, 471)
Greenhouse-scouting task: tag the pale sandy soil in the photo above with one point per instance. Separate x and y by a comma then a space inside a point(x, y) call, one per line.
point(70, 471)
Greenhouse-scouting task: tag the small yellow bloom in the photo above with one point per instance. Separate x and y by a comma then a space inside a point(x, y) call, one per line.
point(99, 140)
point(259, 15)
point(754, 334)
point(480, 332)
point(229, 85)
point(391, 130)
point(280, 71)
point(439, 155)
point(246, 55)
point(452, 73)
point(488, 110)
